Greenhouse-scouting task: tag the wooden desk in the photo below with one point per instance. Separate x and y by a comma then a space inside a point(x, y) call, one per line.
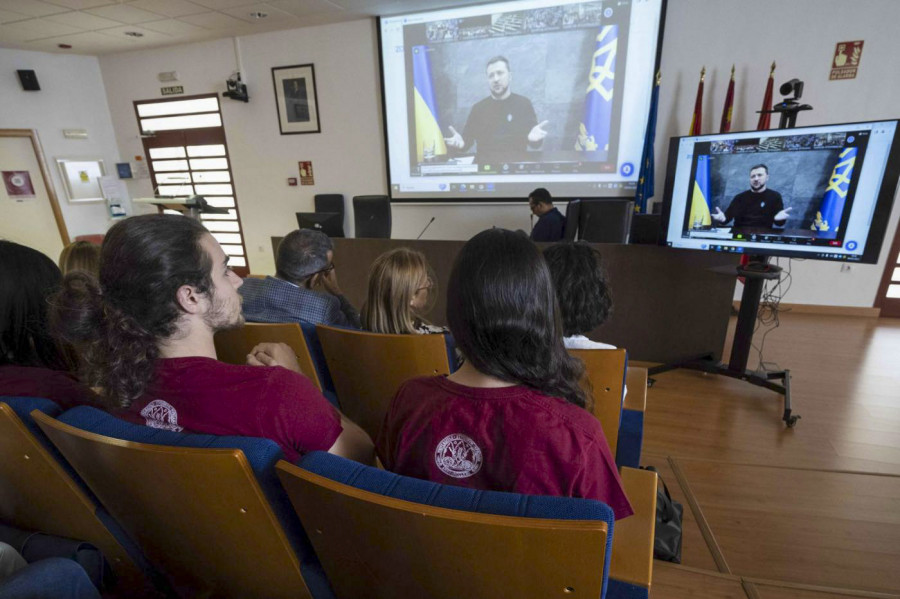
point(667, 304)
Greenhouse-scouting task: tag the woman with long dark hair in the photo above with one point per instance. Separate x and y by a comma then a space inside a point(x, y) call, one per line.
point(512, 417)
point(32, 363)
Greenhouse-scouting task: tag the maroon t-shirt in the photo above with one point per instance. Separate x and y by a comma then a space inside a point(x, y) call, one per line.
point(55, 385)
point(506, 439)
point(203, 395)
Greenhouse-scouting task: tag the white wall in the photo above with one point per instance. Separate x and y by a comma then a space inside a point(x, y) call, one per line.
point(800, 36)
point(348, 156)
point(72, 96)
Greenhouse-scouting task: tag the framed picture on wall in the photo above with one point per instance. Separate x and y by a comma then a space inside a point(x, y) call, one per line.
point(81, 179)
point(295, 99)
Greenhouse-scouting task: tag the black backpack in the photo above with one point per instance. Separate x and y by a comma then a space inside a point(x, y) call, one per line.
point(667, 540)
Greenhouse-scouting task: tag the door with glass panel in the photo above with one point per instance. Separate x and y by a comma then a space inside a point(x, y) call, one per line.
point(184, 142)
point(888, 298)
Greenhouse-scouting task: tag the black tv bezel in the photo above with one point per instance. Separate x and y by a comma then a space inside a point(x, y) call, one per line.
point(883, 204)
point(475, 199)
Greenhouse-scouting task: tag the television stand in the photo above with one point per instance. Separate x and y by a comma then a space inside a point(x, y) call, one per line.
point(755, 274)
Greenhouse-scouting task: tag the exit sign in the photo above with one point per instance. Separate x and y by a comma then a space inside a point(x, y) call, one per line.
point(172, 91)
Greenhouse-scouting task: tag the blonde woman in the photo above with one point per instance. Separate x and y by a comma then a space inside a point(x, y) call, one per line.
point(80, 255)
point(400, 289)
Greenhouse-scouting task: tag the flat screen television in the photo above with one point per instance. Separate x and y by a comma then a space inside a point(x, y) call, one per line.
point(822, 192)
point(487, 102)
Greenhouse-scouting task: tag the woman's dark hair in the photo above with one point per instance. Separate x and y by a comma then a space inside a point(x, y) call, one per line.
point(582, 287)
point(502, 311)
point(117, 321)
point(27, 279)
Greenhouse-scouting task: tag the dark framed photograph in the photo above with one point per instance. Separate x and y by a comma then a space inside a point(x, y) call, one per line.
point(295, 98)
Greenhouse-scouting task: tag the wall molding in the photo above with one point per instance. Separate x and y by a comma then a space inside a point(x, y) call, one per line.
point(826, 310)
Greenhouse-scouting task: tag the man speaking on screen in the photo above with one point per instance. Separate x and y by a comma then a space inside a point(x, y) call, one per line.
point(756, 207)
point(503, 122)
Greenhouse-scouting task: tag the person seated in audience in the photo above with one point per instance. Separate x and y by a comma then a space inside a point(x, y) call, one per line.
point(582, 289)
point(513, 417)
point(32, 363)
point(304, 288)
point(400, 288)
point(80, 255)
point(146, 327)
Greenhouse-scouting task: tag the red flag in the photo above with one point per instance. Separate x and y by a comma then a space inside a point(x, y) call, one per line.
point(764, 117)
point(725, 125)
point(698, 106)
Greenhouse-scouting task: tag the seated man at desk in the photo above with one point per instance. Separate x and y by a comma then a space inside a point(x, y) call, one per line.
point(759, 206)
point(551, 223)
point(304, 287)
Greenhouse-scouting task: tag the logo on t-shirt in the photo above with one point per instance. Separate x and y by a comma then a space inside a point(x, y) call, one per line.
point(458, 456)
point(161, 414)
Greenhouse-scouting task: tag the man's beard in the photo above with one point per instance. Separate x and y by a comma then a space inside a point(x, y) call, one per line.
point(220, 316)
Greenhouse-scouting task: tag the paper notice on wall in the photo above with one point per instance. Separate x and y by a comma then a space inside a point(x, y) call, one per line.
point(18, 185)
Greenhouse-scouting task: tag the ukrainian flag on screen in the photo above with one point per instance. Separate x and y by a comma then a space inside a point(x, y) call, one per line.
point(828, 218)
point(700, 195)
point(593, 134)
point(429, 138)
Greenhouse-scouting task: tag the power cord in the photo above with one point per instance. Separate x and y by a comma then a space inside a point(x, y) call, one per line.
point(769, 315)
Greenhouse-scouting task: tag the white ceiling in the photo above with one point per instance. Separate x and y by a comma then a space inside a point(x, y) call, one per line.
point(100, 26)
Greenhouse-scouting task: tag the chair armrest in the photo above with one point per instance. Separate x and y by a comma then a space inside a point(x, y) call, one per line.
point(632, 550)
point(636, 381)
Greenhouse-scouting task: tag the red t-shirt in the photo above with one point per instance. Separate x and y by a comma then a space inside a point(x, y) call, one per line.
point(506, 439)
point(203, 395)
point(55, 385)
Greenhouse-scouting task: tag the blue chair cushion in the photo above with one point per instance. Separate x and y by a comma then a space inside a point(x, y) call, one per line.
point(425, 492)
point(262, 454)
point(631, 438)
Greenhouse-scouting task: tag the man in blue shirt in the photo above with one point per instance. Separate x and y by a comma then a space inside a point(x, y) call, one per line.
point(551, 223)
point(304, 287)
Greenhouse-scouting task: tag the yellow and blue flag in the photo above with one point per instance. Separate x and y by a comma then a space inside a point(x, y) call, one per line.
point(429, 139)
point(828, 218)
point(593, 134)
point(644, 189)
point(700, 196)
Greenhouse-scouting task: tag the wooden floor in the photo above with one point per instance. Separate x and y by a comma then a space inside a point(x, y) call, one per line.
point(811, 512)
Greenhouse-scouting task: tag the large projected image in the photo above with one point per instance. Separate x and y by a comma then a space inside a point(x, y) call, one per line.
point(810, 192)
point(491, 101)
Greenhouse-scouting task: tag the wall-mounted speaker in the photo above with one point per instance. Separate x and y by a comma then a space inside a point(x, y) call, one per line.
point(29, 81)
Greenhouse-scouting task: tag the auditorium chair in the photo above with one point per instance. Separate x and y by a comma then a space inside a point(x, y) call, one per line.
point(331, 202)
point(368, 368)
point(208, 511)
point(381, 535)
point(631, 428)
point(622, 416)
point(39, 491)
point(372, 216)
point(605, 370)
point(232, 346)
point(573, 210)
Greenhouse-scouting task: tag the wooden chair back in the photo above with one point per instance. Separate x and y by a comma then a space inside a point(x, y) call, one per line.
point(234, 345)
point(368, 368)
point(605, 369)
point(36, 493)
point(198, 514)
point(380, 547)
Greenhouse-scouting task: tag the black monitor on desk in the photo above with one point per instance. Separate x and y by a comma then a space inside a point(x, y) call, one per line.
point(330, 223)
